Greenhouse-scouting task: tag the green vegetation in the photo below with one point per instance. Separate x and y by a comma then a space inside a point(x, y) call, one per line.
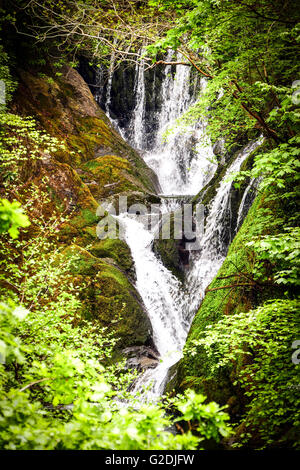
point(240, 346)
point(63, 293)
point(260, 341)
point(56, 389)
point(59, 385)
point(239, 350)
point(12, 218)
point(247, 51)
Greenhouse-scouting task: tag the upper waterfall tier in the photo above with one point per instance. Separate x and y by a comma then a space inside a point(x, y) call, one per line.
point(183, 161)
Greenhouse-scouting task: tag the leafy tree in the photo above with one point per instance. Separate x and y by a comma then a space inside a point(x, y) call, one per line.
point(56, 389)
point(58, 386)
point(247, 52)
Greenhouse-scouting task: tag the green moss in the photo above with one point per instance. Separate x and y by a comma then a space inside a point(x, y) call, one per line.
point(66, 109)
point(116, 249)
point(86, 217)
point(112, 174)
point(82, 262)
point(220, 302)
point(109, 298)
point(95, 163)
point(195, 370)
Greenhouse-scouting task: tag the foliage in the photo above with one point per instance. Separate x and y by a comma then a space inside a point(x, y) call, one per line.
point(253, 345)
point(278, 170)
point(57, 391)
point(6, 78)
point(269, 377)
point(247, 53)
point(211, 421)
point(21, 141)
point(281, 250)
point(99, 29)
point(58, 386)
point(56, 394)
point(278, 173)
point(12, 217)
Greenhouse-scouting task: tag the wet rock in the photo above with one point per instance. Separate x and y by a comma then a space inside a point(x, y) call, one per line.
point(146, 363)
point(218, 148)
point(141, 357)
point(172, 379)
point(174, 252)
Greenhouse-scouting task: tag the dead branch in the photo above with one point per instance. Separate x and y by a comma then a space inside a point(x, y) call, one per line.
point(34, 383)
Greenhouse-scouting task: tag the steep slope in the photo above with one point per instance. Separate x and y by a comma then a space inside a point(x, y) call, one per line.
point(248, 381)
point(95, 164)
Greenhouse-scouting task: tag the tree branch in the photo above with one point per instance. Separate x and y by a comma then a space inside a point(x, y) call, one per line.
point(34, 383)
point(232, 285)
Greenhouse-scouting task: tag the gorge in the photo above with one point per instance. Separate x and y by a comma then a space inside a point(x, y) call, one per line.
point(149, 226)
point(184, 163)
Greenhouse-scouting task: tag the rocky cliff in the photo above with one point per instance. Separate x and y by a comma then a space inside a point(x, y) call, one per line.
point(95, 164)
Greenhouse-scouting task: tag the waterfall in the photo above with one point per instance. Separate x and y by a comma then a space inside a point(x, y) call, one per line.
point(99, 84)
point(163, 298)
point(169, 305)
point(100, 90)
point(217, 235)
point(184, 164)
point(184, 161)
point(247, 199)
point(109, 84)
point(137, 130)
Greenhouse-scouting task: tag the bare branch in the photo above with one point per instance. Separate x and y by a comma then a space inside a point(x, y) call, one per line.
point(33, 383)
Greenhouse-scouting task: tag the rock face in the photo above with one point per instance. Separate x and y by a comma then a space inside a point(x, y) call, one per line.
point(95, 164)
point(141, 358)
point(173, 252)
point(123, 98)
point(66, 109)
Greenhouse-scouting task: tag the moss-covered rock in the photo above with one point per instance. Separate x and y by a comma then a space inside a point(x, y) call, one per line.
point(171, 250)
point(65, 107)
point(110, 174)
point(207, 193)
point(109, 297)
point(95, 164)
point(196, 371)
point(116, 249)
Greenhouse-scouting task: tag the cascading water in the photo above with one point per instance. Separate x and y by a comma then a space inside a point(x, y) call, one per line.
point(247, 199)
point(184, 161)
point(137, 123)
point(164, 300)
point(109, 83)
point(100, 74)
point(184, 164)
point(217, 236)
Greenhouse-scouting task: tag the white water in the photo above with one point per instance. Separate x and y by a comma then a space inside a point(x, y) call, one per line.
point(184, 160)
point(98, 94)
point(216, 239)
point(109, 83)
point(163, 297)
point(184, 165)
point(250, 192)
point(137, 122)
